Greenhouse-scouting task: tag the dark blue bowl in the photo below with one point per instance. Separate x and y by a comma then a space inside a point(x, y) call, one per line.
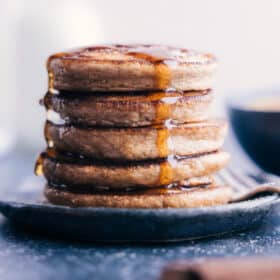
point(258, 131)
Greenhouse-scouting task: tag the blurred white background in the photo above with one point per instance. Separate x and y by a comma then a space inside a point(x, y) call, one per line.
point(243, 34)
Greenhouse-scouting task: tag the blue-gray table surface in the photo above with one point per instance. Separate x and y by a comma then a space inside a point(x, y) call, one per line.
point(27, 256)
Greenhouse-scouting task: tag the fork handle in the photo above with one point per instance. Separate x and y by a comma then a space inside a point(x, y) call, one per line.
point(257, 191)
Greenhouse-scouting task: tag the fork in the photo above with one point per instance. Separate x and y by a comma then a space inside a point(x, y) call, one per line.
point(245, 187)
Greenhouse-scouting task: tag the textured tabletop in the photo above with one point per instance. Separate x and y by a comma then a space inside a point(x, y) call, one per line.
point(29, 256)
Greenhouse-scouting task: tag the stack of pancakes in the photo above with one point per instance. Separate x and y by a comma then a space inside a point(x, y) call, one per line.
point(127, 127)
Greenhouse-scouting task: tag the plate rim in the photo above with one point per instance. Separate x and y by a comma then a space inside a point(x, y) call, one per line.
point(270, 200)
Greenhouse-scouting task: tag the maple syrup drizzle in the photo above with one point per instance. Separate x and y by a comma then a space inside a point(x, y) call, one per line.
point(51, 88)
point(38, 170)
point(51, 78)
point(164, 143)
point(48, 153)
point(162, 61)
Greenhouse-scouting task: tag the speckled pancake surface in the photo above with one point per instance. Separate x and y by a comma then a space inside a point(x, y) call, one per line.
point(139, 143)
point(131, 67)
point(131, 109)
point(133, 174)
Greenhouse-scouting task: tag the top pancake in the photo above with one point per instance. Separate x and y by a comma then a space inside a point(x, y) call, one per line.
point(131, 67)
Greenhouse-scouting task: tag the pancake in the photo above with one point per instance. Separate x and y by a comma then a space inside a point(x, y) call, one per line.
point(188, 183)
point(131, 67)
point(163, 198)
point(138, 143)
point(150, 174)
point(128, 109)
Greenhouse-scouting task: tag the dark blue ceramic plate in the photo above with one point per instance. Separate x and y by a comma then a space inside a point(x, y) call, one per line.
point(24, 207)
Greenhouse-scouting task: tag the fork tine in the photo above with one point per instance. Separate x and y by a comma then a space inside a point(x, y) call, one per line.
point(268, 177)
point(228, 179)
point(219, 179)
point(246, 181)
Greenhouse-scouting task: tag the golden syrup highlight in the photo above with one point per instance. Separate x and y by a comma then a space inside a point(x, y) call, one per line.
point(166, 173)
point(38, 170)
point(51, 77)
point(162, 61)
point(163, 111)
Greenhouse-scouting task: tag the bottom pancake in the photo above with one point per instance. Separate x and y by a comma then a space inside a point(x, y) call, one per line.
point(188, 183)
point(153, 198)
